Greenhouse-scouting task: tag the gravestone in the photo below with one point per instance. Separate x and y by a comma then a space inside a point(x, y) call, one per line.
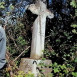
point(38, 39)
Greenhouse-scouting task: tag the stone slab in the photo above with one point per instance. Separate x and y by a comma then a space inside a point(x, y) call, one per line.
point(33, 66)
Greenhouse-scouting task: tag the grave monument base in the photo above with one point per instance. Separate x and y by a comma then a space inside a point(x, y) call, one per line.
point(33, 66)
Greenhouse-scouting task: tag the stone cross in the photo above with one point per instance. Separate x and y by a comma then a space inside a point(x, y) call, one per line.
point(39, 25)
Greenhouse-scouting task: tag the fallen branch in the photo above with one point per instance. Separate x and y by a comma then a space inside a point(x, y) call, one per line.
point(21, 54)
point(12, 63)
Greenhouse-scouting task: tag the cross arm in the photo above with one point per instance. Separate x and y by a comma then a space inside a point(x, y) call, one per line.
point(34, 9)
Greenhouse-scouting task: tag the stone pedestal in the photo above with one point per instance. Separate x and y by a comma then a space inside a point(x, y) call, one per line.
point(33, 66)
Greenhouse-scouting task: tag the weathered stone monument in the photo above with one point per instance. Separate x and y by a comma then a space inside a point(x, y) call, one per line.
point(38, 37)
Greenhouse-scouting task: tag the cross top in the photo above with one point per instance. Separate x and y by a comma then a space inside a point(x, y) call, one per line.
point(38, 9)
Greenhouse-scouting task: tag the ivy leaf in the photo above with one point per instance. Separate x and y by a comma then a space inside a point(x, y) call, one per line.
point(74, 74)
point(73, 3)
point(74, 25)
point(76, 60)
point(2, 7)
point(74, 31)
point(2, 3)
point(63, 66)
point(56, 70)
